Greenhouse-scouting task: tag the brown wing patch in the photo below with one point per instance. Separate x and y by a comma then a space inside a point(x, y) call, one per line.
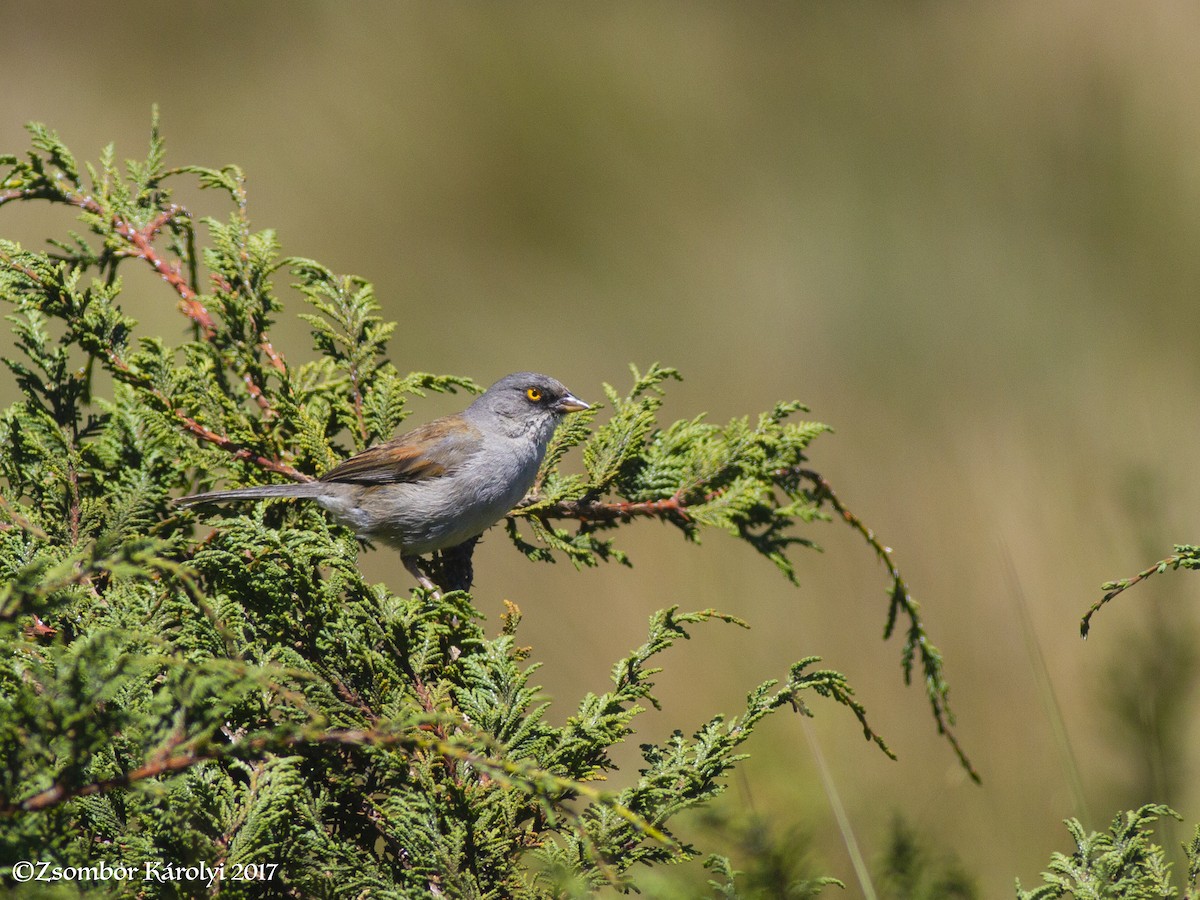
point(425, 452)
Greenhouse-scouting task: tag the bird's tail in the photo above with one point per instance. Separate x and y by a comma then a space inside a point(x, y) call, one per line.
point(264, 491)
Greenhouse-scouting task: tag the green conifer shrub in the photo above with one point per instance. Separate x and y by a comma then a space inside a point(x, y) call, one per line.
point(1122, 864)
point(236, 695)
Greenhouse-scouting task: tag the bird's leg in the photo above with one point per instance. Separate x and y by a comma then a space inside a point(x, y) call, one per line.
point(457, 573)
point(412, 564)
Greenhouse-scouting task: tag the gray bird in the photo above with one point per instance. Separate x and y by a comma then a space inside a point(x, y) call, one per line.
point(442, 483)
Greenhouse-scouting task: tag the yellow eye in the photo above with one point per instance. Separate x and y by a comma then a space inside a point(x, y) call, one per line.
point(533, 394)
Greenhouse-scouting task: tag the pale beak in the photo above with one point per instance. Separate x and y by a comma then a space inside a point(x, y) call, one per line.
point(570, 403)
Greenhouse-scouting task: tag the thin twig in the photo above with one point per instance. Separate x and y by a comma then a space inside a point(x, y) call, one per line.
point(1171, 562)
point(237, 450)
point(935, 688)
point(676, 508)
point(623, 511)
point(141, 240)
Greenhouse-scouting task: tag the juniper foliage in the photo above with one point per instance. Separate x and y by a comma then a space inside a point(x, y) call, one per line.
point(1122, 864)
point(243, 696)
point(1186, 556)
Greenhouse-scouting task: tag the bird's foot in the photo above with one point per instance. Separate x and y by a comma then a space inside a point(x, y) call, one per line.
point(413, 565)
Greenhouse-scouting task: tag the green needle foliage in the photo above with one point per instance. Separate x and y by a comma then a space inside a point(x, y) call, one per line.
point(241, 697)
point(1186, 556)
point(1124, 864)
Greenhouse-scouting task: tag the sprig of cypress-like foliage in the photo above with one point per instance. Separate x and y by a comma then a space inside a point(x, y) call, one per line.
point(1186, 556)
point(1122, 863)
point(247, 697)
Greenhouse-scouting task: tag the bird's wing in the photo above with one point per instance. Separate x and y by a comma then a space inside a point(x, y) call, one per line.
point(425, 452)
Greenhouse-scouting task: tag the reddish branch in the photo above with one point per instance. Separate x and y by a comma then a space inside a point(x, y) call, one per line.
point(824, 491)
point(238, 451)
point(622, 511)
point(273, 356)
point(171, 759)
point(24, 270)
point(141, 240)
point(257, 394)
point(278, 364)
point(202, 431)
point(676, 507)
point(27, 194)
point(350, 696)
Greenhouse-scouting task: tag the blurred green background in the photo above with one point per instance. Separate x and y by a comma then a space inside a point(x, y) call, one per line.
point(965, 235)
